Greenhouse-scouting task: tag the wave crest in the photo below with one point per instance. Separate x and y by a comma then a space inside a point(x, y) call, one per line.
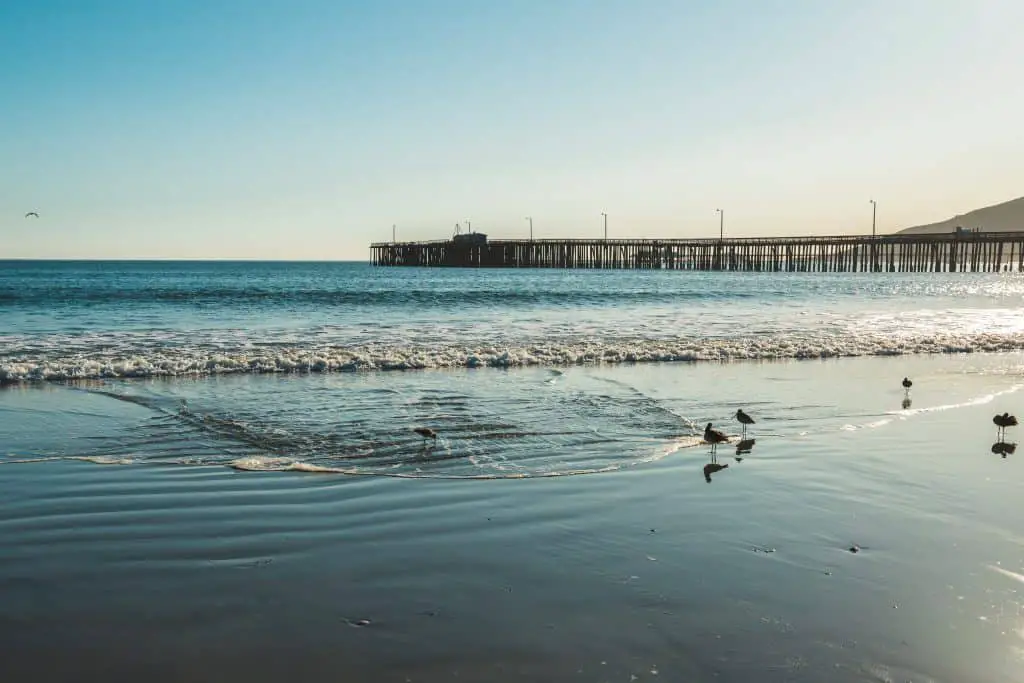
point(184, 361)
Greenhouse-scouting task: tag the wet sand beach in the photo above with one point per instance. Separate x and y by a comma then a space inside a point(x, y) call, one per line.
point(178, 559)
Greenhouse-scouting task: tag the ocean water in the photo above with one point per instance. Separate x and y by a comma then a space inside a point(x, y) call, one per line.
point(144, 319)
point(208, 472)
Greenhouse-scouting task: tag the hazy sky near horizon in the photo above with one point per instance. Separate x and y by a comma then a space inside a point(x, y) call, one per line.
point(306, 128)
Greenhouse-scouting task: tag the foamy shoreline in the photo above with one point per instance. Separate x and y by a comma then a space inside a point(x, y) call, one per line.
point(179, 362)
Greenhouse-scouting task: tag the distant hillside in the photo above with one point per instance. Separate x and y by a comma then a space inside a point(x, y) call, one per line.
point(1005, 217)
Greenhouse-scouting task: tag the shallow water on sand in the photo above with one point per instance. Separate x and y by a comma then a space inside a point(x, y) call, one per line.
point(223, 537)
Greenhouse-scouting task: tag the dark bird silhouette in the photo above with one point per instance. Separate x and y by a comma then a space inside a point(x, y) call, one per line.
point(31, 213)
point(712, 465)
point(426, 433)
point(1003, 449)
point(714, 437)
point(1002, 422)
point(907, 383)
point(711, 468)
point(744, 420)
point(743, 447)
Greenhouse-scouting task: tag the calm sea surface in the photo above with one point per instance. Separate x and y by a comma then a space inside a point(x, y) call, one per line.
point(208, 472)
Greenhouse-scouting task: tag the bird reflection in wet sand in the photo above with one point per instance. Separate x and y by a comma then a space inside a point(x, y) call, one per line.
point(744, 447)
point(906, 403)
point(712, 467)
point(1004, 449)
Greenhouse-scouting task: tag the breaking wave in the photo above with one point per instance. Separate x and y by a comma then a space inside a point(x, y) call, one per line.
point(176, 360)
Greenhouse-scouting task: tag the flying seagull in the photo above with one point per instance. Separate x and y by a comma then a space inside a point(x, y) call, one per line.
point(31, 213)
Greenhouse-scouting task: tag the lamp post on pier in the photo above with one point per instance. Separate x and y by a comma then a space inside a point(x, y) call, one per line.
point(393, 240)
point(605, 225)
point(874, 209)
point(530, 218)
point(721, 224)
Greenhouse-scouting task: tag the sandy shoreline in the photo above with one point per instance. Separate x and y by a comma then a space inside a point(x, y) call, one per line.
point(169, 572)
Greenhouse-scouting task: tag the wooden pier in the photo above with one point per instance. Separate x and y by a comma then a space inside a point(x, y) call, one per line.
point(973, 252)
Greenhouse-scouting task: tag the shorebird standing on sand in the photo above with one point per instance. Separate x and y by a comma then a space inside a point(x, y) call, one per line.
point(426, 433)
point(907, 384)
point(1002, 422)
point(744, 420)
point(714, 437)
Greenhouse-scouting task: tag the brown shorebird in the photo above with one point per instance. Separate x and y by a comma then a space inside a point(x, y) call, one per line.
point(714, 437)
point(744, 420)
point(1002, 422)
point(426, 433)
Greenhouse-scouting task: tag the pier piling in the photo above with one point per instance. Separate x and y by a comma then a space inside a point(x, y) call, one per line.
point(941, 253)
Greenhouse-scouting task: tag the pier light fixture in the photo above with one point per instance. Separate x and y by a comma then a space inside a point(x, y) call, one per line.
point(874, 212)
point(605, 225)
point(530, 218)
point(721, 224)
point(393, 240)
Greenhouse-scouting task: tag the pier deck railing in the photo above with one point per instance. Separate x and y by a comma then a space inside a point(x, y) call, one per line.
point(945, 252)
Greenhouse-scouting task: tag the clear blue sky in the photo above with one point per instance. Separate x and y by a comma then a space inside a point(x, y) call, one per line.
point(306, 128)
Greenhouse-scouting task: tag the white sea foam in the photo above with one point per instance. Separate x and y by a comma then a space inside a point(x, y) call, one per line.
point(1007, 573)
point(95, 459)
point(480, 470)
point(102, 459)
point(28, 461)
point(170, 361)
point(977, 401)
point(874, 424)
